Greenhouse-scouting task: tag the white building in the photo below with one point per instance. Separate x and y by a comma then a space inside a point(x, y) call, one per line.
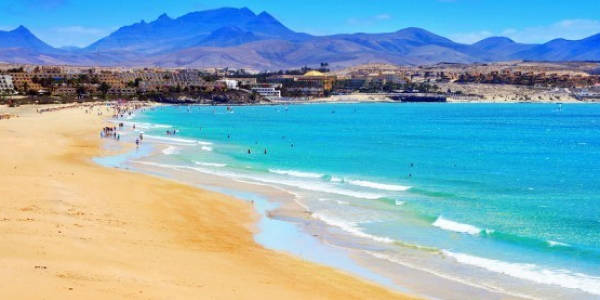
point(229, 83)
point(267, 92)
point(6, 84)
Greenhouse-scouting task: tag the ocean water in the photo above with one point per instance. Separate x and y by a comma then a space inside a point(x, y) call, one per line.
point(511, 189)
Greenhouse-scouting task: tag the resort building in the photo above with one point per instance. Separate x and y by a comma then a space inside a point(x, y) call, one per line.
point(316, 78)
point(268, 92)
point(6, 84)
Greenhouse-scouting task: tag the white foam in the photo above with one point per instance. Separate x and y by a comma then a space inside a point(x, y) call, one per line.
point(207, 164)
point(350, 228)
point(143, 125)
point(336, 179)
point(319, 187)
point(149, 163)
point(399, 203)
point(206, 148)
point(441, 275)
point(557, 244)
point(316, 186)
point(175, 141)
point(531, 272)
point(295, 173)
point(455, 226)
point(379, 186)
point(170, 150)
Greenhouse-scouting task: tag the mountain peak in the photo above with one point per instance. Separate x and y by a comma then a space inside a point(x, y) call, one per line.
point(494, 41)
point(246, 10)
point(413, 30)
point(421, 35)
point(21, 37)
point(164, 17)
point(21, 29)
point(265, 14)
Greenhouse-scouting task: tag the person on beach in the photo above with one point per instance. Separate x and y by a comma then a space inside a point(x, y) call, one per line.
point(249, 151)
point(137, 143)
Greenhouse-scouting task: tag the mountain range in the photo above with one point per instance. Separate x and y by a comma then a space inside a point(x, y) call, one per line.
point(239, 38)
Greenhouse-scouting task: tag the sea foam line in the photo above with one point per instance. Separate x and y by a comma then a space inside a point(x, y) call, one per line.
point(455, 226)
point(350, 228)
point(177, 141)
point(142, 125)
point(557, 244)
point(531, 272)
point(207, 164)
point(379, 186)
point(305, 185)
point(320, 187)
point(170, 150)
point(295, 173)
point(445, 276)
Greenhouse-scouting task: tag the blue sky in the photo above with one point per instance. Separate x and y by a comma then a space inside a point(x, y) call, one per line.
point(80, 22)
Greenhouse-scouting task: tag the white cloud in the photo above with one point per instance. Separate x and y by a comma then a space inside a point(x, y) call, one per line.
point(383, 17)
point(573, 29)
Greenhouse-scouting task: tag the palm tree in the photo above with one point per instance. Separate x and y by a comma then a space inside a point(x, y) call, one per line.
point(104, 88)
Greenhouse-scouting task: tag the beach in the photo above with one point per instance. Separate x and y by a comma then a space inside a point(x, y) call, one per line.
point(70, 228)
point(412, 196)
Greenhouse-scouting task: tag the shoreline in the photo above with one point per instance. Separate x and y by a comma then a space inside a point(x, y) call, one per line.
point(365, 265)
point(299, 214)
point(77, 229)
point(288, 209)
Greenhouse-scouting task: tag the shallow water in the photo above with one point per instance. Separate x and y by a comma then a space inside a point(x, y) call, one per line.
point(510, 189)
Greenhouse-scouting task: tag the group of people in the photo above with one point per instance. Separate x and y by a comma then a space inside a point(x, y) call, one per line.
point(110, 132)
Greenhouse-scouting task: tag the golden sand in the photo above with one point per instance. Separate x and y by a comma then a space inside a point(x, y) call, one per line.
point(72, 229)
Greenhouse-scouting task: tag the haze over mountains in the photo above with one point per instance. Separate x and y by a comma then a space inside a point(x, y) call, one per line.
point(240, 38)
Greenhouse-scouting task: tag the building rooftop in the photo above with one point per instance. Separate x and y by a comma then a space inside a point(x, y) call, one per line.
point(314, 73)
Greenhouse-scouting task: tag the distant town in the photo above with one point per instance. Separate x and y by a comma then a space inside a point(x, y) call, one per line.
point(494, 82)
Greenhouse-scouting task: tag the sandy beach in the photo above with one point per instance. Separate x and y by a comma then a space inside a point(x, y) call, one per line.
point(70, 228)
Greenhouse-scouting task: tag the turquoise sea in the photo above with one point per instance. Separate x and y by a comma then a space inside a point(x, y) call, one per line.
point(511, 189)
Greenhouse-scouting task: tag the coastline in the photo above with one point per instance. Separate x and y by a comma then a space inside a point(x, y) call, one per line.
point(76, 229)
point(328, 244)
point(405, 268)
